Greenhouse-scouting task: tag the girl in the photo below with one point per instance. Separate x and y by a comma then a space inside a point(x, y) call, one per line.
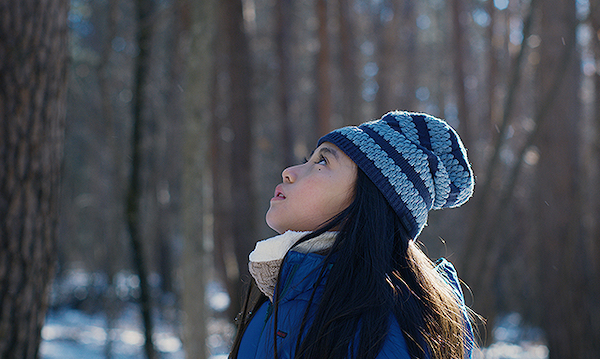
point(345, 277)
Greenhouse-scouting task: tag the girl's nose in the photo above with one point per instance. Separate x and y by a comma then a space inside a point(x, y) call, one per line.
point(288, 175)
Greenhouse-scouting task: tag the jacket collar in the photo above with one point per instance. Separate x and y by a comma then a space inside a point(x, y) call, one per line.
point(299, 275)
point(268, 255)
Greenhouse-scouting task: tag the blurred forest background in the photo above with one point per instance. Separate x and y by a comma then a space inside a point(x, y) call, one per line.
point(181, 114)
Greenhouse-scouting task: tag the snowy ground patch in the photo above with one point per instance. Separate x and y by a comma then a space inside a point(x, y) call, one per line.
point(74, 334)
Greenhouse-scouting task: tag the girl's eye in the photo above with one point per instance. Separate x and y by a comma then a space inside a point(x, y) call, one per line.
point(321, 161)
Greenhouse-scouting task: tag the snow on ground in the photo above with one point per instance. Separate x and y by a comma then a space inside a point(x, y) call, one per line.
point(79, 334)
point(73, 334)
point(514, 340)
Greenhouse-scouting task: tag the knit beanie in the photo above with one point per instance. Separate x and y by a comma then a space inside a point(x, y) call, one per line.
point(416, 160)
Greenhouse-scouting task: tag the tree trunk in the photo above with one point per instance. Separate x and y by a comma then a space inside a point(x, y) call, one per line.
point(563, 263)
point(240, 113)
point(282, 39)
point(33, 69)
point(199, 18)
point(172, 168)
point(220, 134)
point(459, 73)
point(134, 192)
point(594, 243)
point(410, 72)
point(491, 110)
point(323, 72)
point(387, 77)
point(351, 109)
point(113, 211)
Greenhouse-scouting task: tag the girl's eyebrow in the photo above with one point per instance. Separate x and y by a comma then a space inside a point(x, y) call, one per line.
point(328, 150)
point(325, 150)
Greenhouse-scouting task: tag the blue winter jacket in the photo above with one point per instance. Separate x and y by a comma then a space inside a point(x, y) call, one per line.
point(299, 273)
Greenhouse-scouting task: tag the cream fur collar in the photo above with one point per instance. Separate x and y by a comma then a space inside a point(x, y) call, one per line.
point(267, 256)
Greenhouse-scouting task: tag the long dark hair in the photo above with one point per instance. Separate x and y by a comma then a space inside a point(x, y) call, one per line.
point(389, 274)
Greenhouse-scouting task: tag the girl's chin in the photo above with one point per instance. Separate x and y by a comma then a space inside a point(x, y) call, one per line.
point(280, 231)
point(272, 224)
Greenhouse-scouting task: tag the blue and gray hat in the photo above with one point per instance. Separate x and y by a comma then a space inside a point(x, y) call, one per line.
point(417, 161)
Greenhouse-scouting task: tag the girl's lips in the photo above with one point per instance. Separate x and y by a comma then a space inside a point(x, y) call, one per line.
point(278, 194)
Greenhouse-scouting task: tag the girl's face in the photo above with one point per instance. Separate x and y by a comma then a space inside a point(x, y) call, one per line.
point(313, 192)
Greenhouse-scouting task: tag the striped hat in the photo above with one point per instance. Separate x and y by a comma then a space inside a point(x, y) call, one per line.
point(417, 161)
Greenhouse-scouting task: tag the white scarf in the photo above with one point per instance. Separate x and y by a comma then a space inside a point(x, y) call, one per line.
point(267, 256)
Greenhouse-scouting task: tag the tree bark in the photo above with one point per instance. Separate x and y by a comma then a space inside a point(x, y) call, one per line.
point(459, 53)
point(387, 77)
point(323, 72)
point(562, 261)
point(240, 113)
point(351, 109)
point(594, 244)
point(283, 9)
point(491, 110)
point(33, 72)
point(411, 71)
point(114, 207)
point(220, 160)
point(196, 185)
